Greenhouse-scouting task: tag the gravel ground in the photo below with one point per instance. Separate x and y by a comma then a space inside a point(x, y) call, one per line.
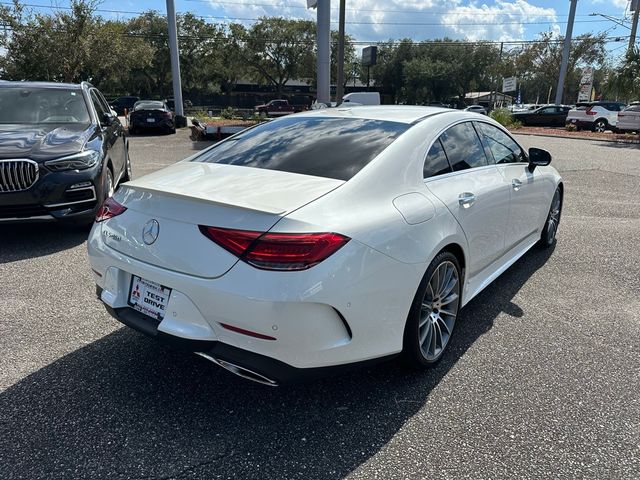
point(541, 380)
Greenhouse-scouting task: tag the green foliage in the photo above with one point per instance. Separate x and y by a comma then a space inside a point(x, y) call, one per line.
point(132, 57)
point(228, 113)
point(570, 127)
point(504, 118)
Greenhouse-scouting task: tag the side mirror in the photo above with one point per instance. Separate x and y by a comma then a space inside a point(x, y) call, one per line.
point(538, 158)
point(107, 119)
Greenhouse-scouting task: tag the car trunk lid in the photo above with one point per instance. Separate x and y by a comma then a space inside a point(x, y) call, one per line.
point(188, 194)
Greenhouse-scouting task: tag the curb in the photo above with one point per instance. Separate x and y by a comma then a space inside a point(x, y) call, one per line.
point(610, 140)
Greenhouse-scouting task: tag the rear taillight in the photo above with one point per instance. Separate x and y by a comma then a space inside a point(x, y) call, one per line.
point(109, 209)
point(277, 251)
point(591, 112)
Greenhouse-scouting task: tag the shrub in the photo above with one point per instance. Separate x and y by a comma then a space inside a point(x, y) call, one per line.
point(570, 127)
point(503, 117)
point(228, 113)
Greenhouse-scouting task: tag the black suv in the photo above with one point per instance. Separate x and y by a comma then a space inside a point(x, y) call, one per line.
point(62, 152)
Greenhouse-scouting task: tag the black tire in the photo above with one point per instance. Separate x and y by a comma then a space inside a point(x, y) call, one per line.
point(413, 348)
point(107, 180)
point(126, 176)
point(600, 125)
point(551, 224)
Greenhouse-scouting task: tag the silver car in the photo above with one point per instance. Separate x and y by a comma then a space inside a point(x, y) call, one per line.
point(629, 119)
point(476, 109)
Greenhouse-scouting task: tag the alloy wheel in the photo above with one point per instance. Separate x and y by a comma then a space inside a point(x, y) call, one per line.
point(600, 126)
point(554, 217)
point(439, 310)
point(110, 187)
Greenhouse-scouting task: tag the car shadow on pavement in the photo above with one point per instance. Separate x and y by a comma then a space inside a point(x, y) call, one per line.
point(631, 145)
point(126, 407)
point(22, 241)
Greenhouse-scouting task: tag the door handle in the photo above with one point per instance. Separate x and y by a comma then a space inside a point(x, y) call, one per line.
point(516, 184)
point(466, 199)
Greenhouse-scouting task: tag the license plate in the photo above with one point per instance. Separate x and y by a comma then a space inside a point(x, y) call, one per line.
point(151, 120)
point(149, 297)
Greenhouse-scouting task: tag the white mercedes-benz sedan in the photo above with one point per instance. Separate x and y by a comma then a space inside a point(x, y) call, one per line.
point(325, 239)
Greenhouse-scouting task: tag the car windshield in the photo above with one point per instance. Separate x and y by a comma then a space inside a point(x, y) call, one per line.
point(324, 147)
point(42, 105)
point(149, 106)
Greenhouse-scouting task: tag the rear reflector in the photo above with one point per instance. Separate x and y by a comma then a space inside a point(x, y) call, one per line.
point(109, 209)
point(277, 251)
point(247, 332)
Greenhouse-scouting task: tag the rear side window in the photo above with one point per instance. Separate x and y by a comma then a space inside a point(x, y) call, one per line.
point(503, 148)
point(463, 147)
point(436, 162)
point(319, 146)
point(97, 104)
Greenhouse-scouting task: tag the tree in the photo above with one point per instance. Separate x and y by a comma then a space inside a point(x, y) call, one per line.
point(278, 49)
point(538, 65)
point(93, 49)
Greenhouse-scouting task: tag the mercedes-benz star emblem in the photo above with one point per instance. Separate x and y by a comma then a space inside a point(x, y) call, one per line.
point(150, 231)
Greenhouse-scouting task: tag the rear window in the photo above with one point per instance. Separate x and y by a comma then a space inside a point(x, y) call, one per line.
point(323, 147)
point(148, 106)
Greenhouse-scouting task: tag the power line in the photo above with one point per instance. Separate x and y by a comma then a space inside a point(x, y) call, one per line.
point(372, 10)
point(244, 19)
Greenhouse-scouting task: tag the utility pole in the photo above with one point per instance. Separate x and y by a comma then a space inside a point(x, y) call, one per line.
point(565, 52)
point(497, 82)
point(340, 75)
point(635, 5)
point(324, 51)
point(175, 64)
point(323, 34)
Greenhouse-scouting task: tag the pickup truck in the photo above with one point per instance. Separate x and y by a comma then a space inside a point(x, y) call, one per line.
point(276, 108)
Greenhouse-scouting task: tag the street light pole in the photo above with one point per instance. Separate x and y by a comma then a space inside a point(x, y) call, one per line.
point(340, 74)
point(565, 52)
point(324, 50)
point(175, 64)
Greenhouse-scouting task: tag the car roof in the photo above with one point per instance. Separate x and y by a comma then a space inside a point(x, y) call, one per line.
point(392, 113)
point(67, 86)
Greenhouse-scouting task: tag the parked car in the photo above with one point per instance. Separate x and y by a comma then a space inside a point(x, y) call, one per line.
point(547, 116)
point(277, 108)
point(629, 119)
point(476, 109)
point(597, 116)
point(151, 115)
point(361, 98)
point(276, 261)
point(62, 152)
point(121, 103)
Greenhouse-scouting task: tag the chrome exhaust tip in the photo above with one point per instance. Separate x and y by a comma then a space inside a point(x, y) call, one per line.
point(240, 371)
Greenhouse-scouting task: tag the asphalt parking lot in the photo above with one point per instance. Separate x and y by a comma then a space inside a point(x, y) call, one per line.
point(541, 380)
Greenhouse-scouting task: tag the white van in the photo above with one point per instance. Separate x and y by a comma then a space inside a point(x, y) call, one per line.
point(362, 98)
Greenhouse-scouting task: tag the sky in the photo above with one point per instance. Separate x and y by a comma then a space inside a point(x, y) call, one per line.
point(377, 20)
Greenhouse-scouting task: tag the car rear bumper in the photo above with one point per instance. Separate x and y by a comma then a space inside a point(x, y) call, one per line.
point(266, 370)
point(348, 309)
point(165, 124)
point(580, 123)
